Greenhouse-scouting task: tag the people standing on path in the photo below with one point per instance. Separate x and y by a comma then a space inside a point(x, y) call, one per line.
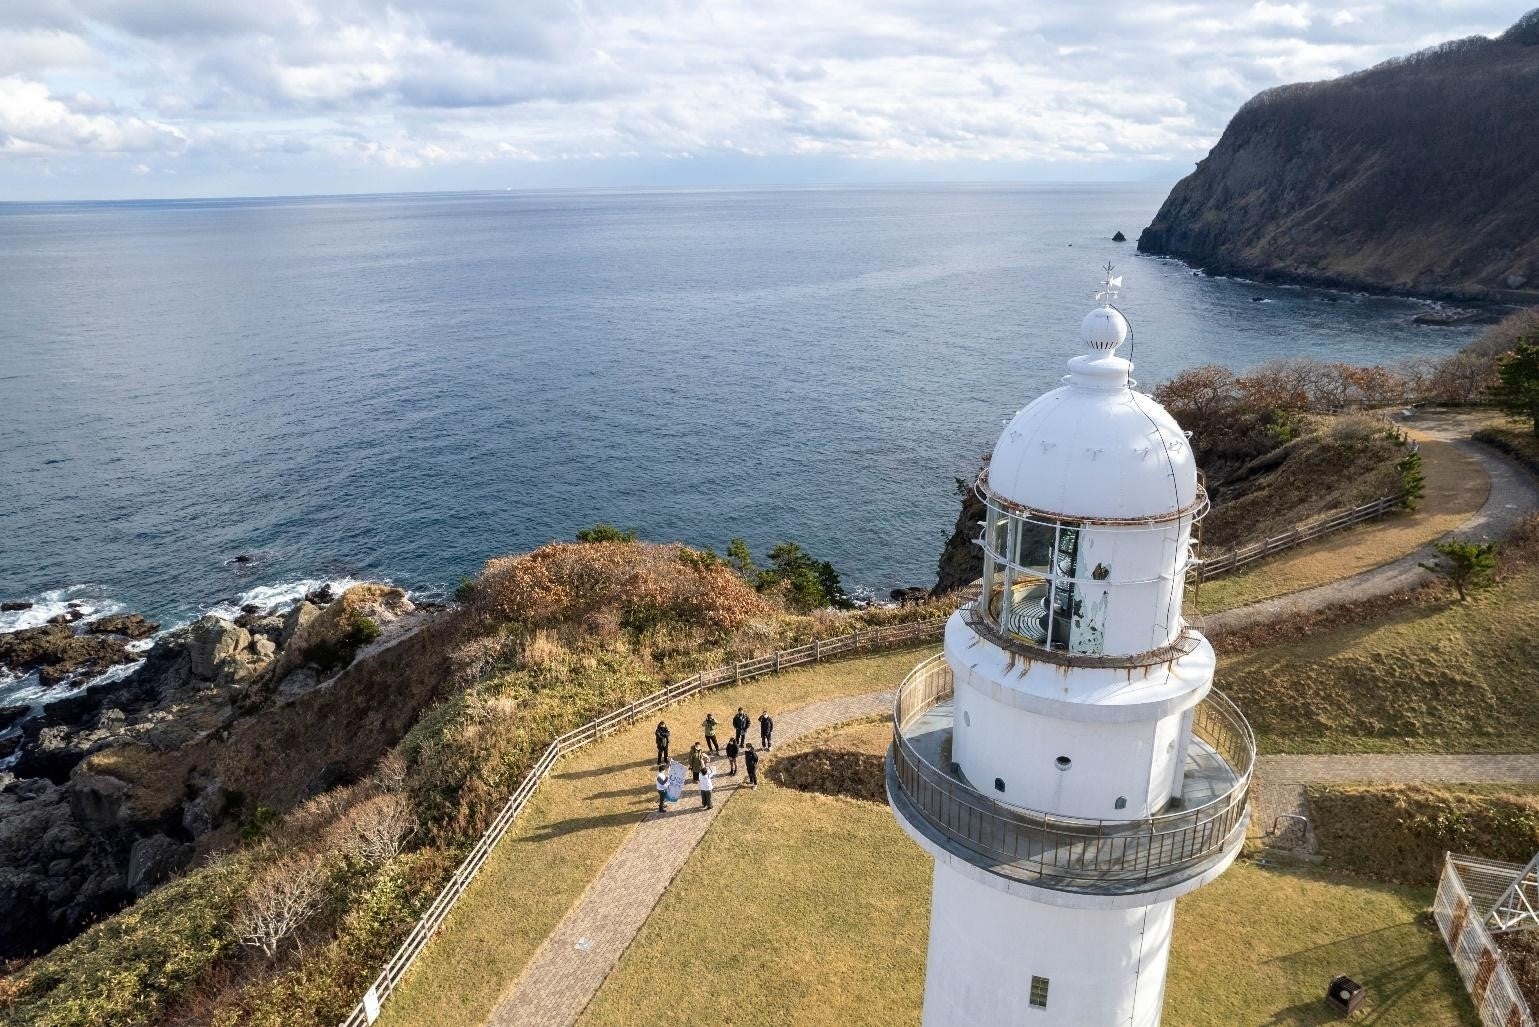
point(740, 726)
point(662, 788)
point(732, 756)
point(710, 734)
point(662, 743)
point(696, 762)
point(766, 728)
point(751, 764)
point(707, 787)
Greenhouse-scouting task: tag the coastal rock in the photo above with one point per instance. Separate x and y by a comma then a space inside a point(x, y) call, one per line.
point(213, 640)
point(1119, 237)
point(152, 860)
point(11, 714)
point(12, 606)
point(85, 656)
point(302, 613)
point(1384, 179)
point(131, 624)
point(22, 650)
point(322, 596)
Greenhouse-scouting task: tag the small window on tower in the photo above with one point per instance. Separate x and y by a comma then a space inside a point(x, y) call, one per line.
point(999, 784)
point(1039, 992)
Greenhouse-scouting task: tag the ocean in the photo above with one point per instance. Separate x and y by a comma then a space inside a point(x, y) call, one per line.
point(399, 387)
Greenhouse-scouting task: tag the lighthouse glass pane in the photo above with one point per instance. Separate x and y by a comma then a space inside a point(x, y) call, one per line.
point(1035, 546)
point(1039, 992)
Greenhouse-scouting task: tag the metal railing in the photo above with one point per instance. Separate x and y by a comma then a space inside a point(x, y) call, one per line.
point(865, 640)
point(1464, 896)
point(1234, 559)
point(1065, 851)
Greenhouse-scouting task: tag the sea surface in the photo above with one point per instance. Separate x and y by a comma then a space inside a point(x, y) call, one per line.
point(399, 387)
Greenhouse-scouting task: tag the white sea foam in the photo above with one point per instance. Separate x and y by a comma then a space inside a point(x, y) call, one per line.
point(92, 599)
point(282, 596)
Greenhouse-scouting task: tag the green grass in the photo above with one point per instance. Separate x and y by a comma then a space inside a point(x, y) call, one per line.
point(577, 821)
point(804, 909)
point(1441, 677)
point(1456, 488)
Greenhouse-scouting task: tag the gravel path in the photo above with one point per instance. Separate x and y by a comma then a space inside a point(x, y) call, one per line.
point(1513, 496)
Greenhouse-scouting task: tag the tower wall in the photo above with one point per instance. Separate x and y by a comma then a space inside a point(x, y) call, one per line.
point(1103, 967)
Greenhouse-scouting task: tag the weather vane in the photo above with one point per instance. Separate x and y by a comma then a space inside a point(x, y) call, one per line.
point(1111, 285)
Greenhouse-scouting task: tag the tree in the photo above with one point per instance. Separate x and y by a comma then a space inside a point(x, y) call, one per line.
point(604, 532)
point(1517, 385)
point(741, 560)
point(279, 902)
point(381, 826)
point(806, 583)
point(1468, 565)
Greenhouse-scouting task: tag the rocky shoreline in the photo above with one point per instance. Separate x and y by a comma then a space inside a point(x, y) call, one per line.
point(105, 791)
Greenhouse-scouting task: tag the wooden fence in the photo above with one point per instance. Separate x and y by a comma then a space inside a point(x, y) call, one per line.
point(1465, 894)
point(1234, 559)
point(865, 640)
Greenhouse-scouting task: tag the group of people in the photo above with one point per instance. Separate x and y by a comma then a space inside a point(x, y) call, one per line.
point(701, 765)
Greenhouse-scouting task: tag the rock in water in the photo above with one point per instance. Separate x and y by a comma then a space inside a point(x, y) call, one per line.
point(1119, 237)
point(213, 640)
point(15, 605)
point(1385, 179)
point(131, 624)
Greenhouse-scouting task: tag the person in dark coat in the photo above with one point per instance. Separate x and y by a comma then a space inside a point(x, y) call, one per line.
point(710, 734)
point(766, 728)
point(751, 764)
point(697, 762)
point(740, 726)
point(732, 756)
point(662, 743)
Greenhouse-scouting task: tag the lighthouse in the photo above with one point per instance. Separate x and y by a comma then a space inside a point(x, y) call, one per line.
point(1065, 760)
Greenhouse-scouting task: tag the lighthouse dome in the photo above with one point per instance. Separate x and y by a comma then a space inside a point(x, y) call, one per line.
point(1096, 449)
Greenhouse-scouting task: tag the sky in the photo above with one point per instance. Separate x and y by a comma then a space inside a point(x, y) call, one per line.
point(106, 99)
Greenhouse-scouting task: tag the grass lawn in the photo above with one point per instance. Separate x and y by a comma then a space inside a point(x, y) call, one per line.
point(1456, 488)
point(806, 909)
point(579, 817)
point(1446, 677)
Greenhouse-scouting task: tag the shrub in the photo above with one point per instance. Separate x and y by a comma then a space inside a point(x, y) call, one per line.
point(1517, 389)
point(1467, 565)
point(606, 533)
point(131, 967)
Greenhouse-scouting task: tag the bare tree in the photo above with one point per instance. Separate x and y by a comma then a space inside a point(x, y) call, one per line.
point(279, 902)
point(390, 772)
point(379, 828)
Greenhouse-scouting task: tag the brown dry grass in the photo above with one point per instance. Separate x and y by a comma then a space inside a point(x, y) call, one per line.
point(579, 818)
point(840, 938)
point(1400, 832)
point(1456, 488)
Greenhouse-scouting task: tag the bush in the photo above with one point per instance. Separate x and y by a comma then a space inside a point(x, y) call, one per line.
point(1400, 833)
point(130, 968)
point(606, 533)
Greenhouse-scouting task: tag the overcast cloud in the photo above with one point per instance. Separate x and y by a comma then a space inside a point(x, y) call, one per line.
point(221, 97)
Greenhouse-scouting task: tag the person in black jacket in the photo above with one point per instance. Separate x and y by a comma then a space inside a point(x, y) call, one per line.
point(766, 728)
point(751, 764)
point(731, 756)
point(740, 724)
point(662, 743)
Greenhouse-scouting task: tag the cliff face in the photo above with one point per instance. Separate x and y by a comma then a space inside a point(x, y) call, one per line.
point(1418, 176)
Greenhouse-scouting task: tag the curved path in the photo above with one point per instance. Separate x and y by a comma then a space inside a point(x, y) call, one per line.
point(571, 965)
point(568, 969)
point(1513, 496)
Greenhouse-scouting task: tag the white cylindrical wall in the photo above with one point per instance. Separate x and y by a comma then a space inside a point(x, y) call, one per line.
point(996, 744)
point(1104, 968)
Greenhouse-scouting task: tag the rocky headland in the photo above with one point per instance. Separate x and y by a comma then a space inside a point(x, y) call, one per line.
point(112, 788)
point(1419, 176)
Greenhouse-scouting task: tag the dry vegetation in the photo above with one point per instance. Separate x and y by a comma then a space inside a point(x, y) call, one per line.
point(1429, 675)
point(847, 760)
point(840, 937)
point(1401, 832)
point(289, 930)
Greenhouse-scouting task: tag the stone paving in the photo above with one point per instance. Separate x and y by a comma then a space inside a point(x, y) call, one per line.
point(568, 969)
point(1280, 782)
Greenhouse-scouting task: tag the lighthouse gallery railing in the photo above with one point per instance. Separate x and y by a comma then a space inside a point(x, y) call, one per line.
point(1066, 851)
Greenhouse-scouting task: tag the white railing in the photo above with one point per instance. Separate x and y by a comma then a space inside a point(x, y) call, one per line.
point(1233, 559)
point(867, 639)
point(1461, 920)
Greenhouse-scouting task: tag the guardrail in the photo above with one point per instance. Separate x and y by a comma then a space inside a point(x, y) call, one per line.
point(1234, 559)
point(1460, 910)
point(865, 640)
point(1067, 851)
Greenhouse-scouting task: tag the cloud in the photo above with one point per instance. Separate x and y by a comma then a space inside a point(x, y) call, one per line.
point(349, 87)
point(35, 123)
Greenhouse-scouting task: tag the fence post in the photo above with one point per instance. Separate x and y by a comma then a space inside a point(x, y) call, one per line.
point(817, 649)
point(877, 635)
point(737, 671)
point(856, 634)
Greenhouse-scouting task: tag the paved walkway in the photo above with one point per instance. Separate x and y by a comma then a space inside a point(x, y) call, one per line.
point(1513, 496)
point(1280, 782)
point(568, 969)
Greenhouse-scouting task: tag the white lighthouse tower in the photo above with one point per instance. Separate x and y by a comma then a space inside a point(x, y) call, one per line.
point(1065, 760)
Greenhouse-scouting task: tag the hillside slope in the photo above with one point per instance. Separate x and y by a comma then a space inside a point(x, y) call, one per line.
point(1420, 176)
